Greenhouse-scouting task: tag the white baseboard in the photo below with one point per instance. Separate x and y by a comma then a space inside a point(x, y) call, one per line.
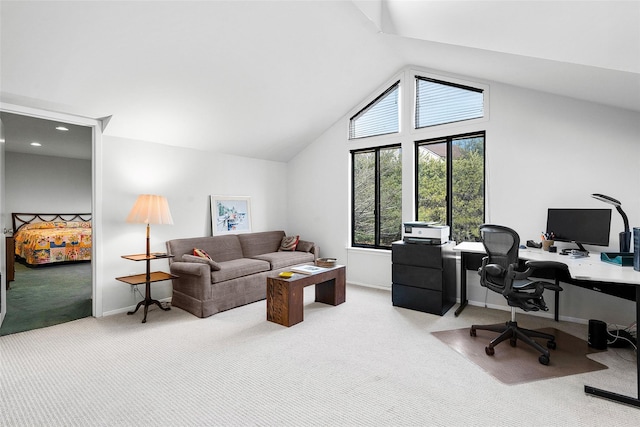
point(130, 308)
point(545, 314)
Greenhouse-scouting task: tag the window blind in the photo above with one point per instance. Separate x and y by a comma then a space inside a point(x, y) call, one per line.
point(380, 117)
point(438, 103)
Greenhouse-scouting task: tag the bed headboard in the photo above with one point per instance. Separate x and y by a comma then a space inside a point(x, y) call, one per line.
point(18, 220)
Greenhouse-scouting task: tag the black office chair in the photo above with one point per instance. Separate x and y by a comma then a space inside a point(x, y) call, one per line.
point(499, 273)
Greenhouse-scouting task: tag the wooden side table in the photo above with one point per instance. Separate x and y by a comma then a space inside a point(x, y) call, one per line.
point(147, 279)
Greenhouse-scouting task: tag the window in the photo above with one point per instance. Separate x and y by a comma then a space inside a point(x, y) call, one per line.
point(439, 102)
point(450, 183)
point(376, 196)
point(380, 117)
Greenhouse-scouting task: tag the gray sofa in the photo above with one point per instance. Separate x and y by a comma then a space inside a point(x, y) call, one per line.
point(239, 271)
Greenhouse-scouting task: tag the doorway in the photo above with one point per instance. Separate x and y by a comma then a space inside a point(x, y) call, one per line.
point(56, 176)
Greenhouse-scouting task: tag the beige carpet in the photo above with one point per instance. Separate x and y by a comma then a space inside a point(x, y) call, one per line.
point(516, 365)
point(361, 363)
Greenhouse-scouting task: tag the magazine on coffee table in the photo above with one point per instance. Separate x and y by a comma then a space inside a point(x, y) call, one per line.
point(307, 269)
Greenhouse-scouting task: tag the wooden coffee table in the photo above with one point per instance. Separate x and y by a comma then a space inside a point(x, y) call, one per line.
point(285, 296)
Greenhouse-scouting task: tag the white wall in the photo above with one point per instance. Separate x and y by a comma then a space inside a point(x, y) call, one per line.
point(187, 178)
point(542, 151)
point(46, 184)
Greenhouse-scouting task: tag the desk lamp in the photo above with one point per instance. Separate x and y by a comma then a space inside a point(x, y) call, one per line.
point(150, 209)
point(625, 236)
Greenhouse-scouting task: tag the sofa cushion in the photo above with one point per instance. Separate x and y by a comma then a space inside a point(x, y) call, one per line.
point(304, 246)
point(219, 248)
point(283, 259)
point(191, 258)
point(289, 243)
point(259, 243)
point(238, 268)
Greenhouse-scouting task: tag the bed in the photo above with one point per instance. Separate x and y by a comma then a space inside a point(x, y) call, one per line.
point(42, 239)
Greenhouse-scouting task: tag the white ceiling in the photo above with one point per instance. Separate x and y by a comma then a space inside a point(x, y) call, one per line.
point(265, 78)
point(21, 131)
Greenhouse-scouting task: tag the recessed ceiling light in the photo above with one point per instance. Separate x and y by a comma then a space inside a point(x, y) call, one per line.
point(36, 144)
point(62, 128)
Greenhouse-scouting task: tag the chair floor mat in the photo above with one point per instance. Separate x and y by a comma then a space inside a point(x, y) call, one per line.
point(516, 365)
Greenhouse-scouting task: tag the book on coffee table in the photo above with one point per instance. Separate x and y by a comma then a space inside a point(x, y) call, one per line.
point(307, 269)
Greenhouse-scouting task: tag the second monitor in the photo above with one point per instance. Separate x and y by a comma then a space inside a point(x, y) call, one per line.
point(580, 226)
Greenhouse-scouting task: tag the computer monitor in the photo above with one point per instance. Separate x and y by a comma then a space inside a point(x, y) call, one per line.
point(580, 226)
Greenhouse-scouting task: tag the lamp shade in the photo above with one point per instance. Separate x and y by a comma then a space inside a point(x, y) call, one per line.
point(606, 199)
point(150, 209)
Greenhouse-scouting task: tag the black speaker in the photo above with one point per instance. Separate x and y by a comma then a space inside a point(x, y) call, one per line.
point(597, 334)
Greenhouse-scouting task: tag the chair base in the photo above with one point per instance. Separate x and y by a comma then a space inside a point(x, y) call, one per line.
point(512, 332)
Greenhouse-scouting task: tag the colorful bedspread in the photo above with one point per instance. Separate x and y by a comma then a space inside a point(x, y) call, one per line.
point(50, 242)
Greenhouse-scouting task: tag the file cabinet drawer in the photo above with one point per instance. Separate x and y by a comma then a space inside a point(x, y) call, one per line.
point(429, 256)
point(419, 277)
point(419, 299)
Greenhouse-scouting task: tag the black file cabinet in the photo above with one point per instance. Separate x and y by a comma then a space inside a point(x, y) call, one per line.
point(424, 276)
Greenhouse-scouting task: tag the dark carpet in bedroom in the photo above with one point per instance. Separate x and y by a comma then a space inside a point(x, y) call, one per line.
point(46, 296)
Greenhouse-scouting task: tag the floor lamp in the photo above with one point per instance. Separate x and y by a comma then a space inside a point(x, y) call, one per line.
point(625, 236)
point(150, 209)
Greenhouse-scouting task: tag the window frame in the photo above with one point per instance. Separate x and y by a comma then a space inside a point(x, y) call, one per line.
point(449, 139)
point(408, 134)
point(377, 218)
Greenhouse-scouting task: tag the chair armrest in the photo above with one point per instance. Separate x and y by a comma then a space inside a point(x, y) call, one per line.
point(532, 266)
point(495, 270)
point(536, 265)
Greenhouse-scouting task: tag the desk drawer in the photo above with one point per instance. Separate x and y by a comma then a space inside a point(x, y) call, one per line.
point(419, 277)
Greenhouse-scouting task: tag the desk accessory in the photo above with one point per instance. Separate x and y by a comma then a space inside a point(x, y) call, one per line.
point(575, 253)
point(636, 248)
point(546, 244)
point(625, 236)
point(624, 259)
point(532, 244)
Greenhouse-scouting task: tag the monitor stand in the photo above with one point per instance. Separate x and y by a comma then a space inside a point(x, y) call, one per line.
point(581, 251)
point(581, 247)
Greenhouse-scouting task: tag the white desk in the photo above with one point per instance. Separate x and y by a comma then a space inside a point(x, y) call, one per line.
point(587, 270)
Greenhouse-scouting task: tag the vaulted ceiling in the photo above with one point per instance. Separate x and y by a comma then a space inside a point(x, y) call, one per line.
point(265, 78)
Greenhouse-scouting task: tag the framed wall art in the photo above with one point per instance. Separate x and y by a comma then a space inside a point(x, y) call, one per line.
point(230, 214)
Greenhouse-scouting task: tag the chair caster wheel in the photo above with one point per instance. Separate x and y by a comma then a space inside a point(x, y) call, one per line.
point(543, 359)
point(489, 350)
point(551, 345)
point(472, 332)
point(513, 342)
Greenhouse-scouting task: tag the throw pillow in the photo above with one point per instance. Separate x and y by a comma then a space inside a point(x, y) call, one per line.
point(192, 258)
point(289, 243)
point(200, 253)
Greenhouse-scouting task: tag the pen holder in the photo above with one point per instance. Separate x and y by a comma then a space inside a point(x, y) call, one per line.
point(546, 244)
